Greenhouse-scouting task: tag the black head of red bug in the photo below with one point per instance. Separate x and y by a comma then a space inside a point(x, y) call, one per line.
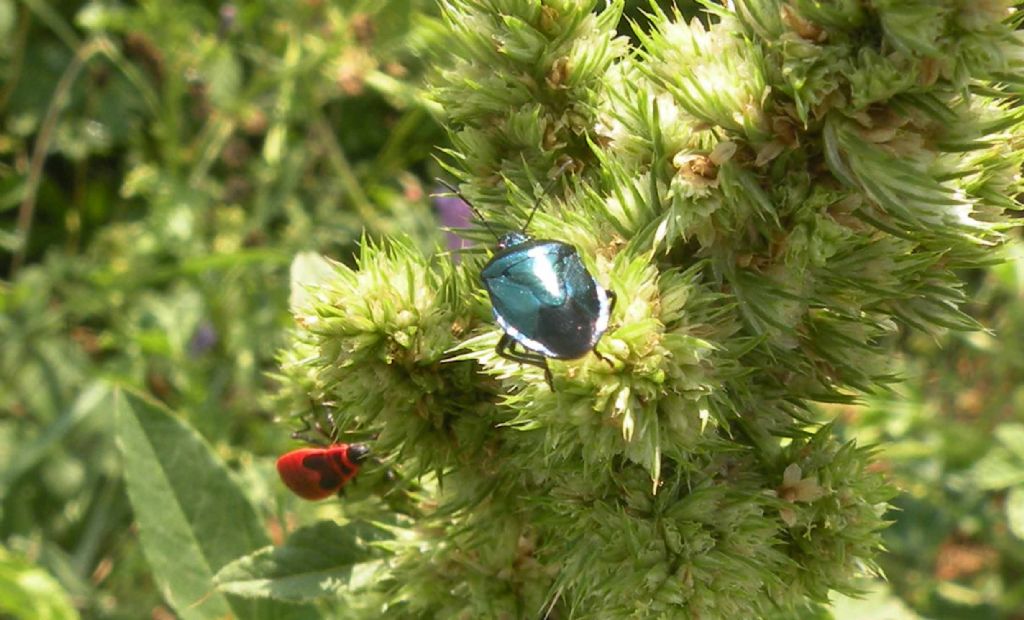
point(358, 452)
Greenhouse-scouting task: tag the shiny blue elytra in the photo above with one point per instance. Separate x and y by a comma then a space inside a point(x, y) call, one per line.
point(545, 300)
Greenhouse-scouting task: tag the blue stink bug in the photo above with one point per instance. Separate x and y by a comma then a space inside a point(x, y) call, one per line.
point(543, 298)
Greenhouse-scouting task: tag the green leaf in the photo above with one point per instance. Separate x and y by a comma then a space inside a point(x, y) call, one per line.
point(224, 75)
point(193, 517)
point(1012, 436)
point(998, 470)
point(30, 593)
point(308, 270)
point(323, 560)
point(1015, 511)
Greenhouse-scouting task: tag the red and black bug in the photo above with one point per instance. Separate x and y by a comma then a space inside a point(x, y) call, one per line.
point(316, 473)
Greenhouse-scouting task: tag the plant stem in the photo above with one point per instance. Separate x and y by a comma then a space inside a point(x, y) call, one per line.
point(26, 209)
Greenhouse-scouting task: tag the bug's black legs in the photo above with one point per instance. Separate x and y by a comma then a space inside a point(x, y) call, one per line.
point(602, 358)
point(506, 349)
point(304, 433)
point(301, 433)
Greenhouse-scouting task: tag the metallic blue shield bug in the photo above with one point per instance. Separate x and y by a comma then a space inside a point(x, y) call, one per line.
point(545, 301)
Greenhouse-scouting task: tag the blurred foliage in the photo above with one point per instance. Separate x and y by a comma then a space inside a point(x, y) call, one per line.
point(160, 164)
point(29, 593)
point(953, 441)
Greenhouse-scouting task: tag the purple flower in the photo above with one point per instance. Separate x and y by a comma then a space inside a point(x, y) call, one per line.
point(203, 339)
point(455, 213)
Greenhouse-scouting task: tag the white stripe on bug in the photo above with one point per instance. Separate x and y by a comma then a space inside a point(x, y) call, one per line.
point(518, 336)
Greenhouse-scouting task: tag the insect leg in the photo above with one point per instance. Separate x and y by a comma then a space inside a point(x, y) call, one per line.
point(306, 427)
point(506, 349)
point(304, 433)
point(602, 357)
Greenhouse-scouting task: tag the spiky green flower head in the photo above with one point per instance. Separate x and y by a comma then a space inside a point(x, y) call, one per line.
point(831, 510)
point(699, 66)
point(377, 338)
point(823, 61)
point(520, 92)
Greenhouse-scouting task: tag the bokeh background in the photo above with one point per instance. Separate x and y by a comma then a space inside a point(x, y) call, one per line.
point(161, 165)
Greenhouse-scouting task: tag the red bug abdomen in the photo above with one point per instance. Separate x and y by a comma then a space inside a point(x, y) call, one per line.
point(316, 473)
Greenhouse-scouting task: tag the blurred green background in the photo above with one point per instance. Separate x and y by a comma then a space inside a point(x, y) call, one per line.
point(160, 165)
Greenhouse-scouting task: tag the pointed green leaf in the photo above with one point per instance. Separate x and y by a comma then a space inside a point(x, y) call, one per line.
point(308, 270)
point(322, 560)
point(193, 517)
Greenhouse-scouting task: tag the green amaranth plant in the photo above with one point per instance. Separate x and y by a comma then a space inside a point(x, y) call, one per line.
point(773, 193)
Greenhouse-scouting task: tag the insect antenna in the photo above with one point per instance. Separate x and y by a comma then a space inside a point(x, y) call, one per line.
point(544, 192)
point(479, 215)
